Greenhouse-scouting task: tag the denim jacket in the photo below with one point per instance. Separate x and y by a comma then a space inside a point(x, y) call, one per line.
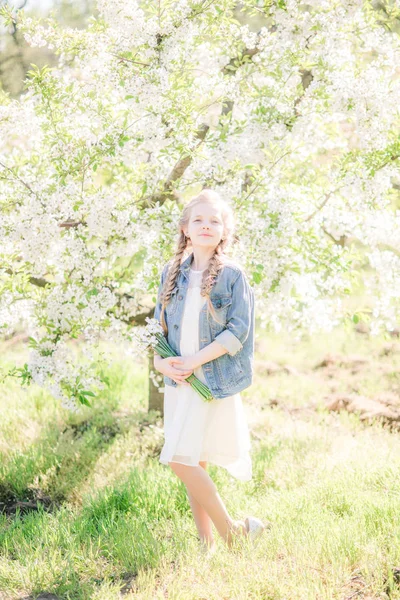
point(233, 299)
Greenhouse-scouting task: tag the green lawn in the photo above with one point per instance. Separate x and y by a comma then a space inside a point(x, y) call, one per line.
point(112, 522)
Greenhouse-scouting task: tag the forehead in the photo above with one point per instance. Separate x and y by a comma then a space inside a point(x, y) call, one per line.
point(205, 210)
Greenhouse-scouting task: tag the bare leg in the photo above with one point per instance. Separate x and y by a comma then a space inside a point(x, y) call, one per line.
point(201, 518)
point(203, 489)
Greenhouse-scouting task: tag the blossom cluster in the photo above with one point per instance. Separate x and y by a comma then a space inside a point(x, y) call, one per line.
point(294, 122)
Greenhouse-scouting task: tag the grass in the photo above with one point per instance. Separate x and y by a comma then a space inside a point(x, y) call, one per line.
point(112, 522)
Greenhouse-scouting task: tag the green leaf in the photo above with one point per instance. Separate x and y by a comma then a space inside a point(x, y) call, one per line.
point(105, 379)
point(93, 292)
point(84, 400)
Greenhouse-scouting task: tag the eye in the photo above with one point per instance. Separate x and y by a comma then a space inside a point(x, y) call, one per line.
point(196, 220)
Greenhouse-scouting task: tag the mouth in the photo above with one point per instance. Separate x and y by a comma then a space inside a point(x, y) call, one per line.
point(205, 235)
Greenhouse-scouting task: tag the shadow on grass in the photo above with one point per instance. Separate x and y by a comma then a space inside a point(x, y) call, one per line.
point(121, 530)
point(56, 464)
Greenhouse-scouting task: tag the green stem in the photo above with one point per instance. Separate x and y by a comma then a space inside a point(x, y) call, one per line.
point(165, 350)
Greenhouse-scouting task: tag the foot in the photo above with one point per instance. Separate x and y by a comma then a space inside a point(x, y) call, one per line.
point(207, 548)
point(251, 528)
point(237, 531)
point(239, 527)
point(255, 527)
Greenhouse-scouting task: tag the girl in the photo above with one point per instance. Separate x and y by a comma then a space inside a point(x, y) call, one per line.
point(206, 308)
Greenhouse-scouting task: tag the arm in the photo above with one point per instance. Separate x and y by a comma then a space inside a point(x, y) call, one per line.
point(208, 353)
point(239, 316)
point(239, 323)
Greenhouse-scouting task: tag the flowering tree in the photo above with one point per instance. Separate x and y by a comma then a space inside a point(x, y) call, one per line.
point(293, 119)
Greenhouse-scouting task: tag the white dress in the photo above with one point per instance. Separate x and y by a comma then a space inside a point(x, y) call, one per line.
point(195, 430)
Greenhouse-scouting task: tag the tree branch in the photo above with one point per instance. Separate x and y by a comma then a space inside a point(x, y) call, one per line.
point(183, 163)
point(28, 187)
point(341, 241)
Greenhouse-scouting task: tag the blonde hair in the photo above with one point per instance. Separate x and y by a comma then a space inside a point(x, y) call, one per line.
point(215, 263)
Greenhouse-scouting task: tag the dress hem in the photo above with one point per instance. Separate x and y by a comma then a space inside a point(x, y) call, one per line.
point(214, 461)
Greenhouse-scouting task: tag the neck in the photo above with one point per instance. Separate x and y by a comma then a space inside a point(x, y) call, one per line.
point(201, 258)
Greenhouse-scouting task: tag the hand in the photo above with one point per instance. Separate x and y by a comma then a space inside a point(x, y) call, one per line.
point(168, 368)
point(188, 362)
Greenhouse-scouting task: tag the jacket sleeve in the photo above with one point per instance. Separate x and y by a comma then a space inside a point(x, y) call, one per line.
point(240, 316)
point(157, 310)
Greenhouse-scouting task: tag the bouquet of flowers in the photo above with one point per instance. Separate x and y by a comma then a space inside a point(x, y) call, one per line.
point(153, 337)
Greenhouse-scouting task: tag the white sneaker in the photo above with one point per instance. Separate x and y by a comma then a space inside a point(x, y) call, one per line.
point(255, 527)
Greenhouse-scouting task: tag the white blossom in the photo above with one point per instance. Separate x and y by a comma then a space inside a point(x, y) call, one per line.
point(306, 157)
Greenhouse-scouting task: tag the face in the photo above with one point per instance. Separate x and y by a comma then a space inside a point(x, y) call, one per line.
point(205, 227)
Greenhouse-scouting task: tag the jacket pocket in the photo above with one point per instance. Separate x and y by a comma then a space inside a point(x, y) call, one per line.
point(221, 305)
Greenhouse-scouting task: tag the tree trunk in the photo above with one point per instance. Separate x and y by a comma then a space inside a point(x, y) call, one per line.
point(156, 398)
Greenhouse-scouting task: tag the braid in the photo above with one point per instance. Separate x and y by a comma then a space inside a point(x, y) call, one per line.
point(171, 278)
point(215, 263)
point(210, 276)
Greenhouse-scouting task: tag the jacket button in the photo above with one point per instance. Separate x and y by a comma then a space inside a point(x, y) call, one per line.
point(176, 326)
point(180, 297)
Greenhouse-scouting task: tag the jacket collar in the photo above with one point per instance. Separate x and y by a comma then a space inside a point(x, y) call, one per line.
point(185, 266)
